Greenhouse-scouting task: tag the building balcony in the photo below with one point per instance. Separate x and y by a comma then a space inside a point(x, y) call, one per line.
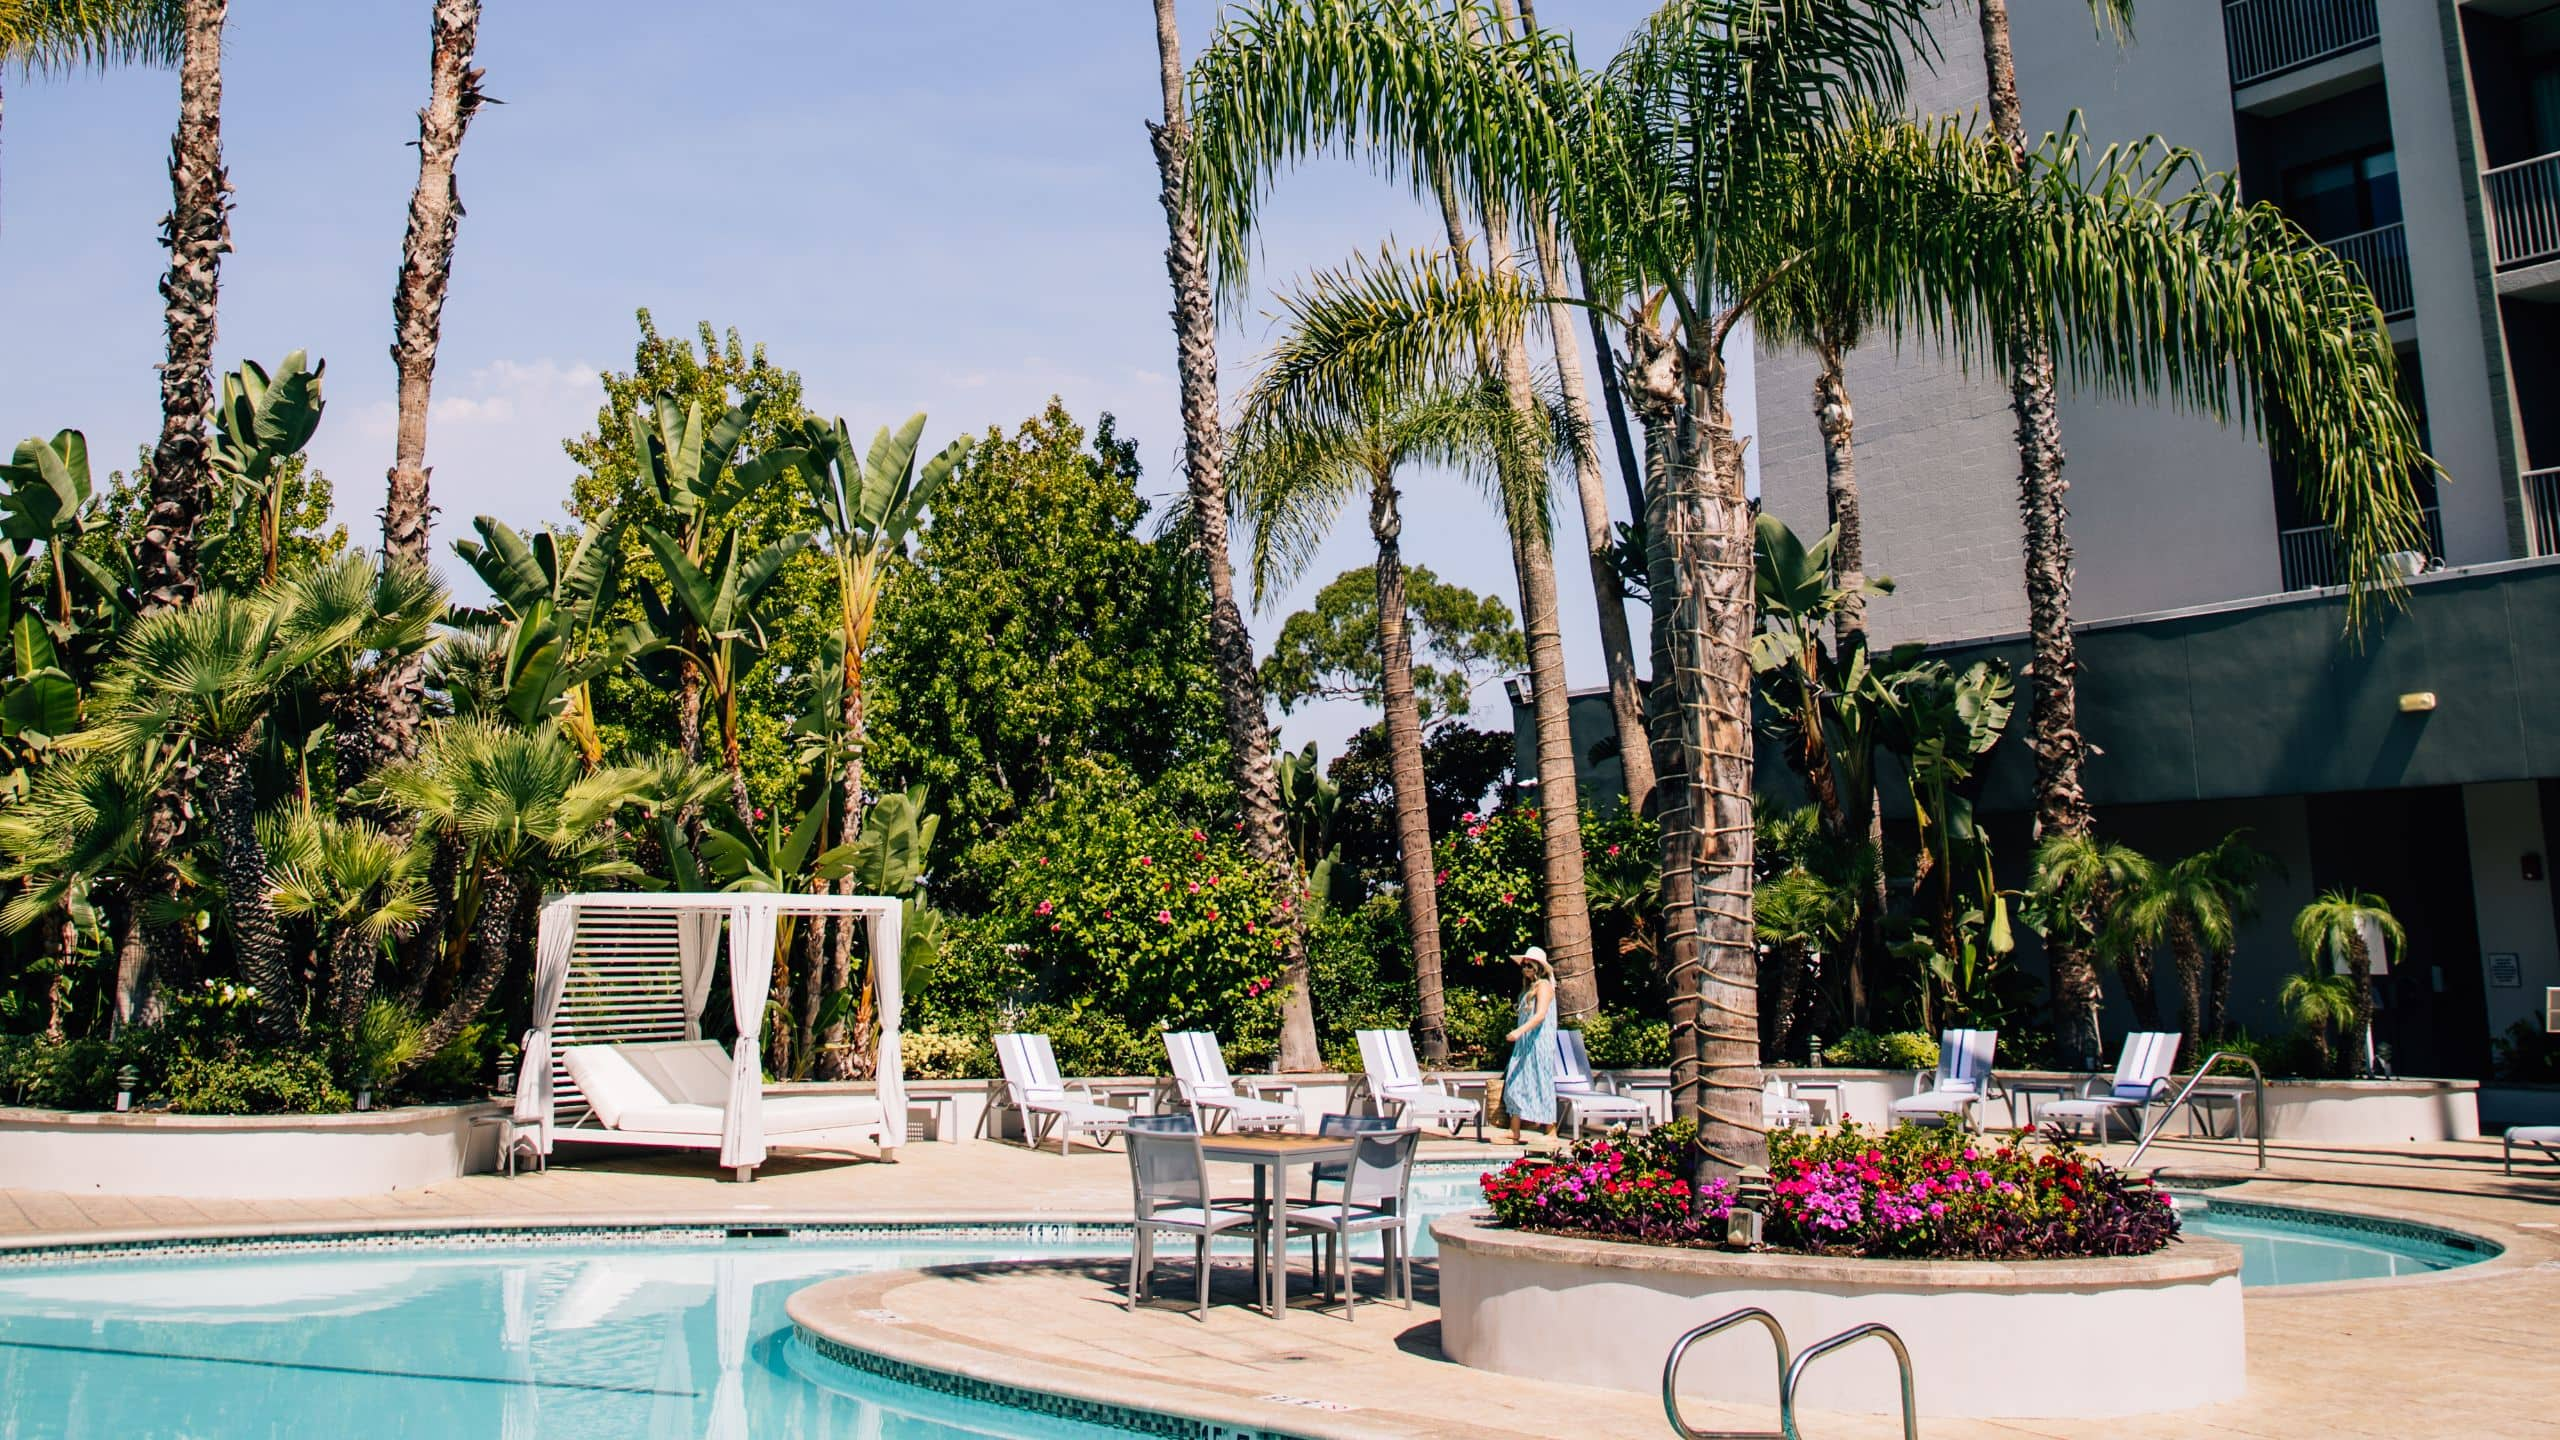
point(2381, 256)
point(2267, 38)
point(2542, 511)
point(2312, 559)
point(2524, 210)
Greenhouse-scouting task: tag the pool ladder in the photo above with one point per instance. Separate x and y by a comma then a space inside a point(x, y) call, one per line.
point(1790, 1374)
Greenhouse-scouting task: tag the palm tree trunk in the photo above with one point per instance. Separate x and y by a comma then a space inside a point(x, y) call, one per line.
point(351, 966)
point(501, 895)
point(1653, 383)
point(2134, 971)
point(2360, 976)
point(844, 1055)
point(1712, 546)
point(2053, 733)
point(1613, 393)
point(2217, 1023)
point(426, 268)
point(2188, 952)
point(1230, 644)
point(197, 232)
point(137, 999)
point(255, 934)
point(1404, 764)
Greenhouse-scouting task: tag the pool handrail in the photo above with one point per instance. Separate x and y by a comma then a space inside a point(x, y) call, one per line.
point(1680, 1350)
point(1841, 1341)
point(2257, 1104)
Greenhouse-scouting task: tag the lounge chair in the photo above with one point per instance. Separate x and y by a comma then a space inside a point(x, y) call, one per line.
point(2141, 1081)
point(1374, 1200)
point(1964, 1077)
point(1169, 1182)
point(1034, 1091)
point(2545, 1138)
point(676, 1093)
point(1398, 1086)
point(1583, 1097)
point(1780, 1109)
point(1200, 1072)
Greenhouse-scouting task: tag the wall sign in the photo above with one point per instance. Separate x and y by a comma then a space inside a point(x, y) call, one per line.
point(2506, 971)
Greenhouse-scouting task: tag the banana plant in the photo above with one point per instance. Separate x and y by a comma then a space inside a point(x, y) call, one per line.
point(1309, 801)
point(1796, 597)
point(892, 856)
point(261, 422)
point(1943, 722)
point(47, 503)
point(711, 617)
point(554, 605)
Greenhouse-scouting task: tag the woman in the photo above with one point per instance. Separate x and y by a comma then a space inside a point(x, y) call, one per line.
point(1529, 1081)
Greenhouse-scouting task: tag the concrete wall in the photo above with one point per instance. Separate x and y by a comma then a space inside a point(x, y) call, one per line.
point(2506, 824)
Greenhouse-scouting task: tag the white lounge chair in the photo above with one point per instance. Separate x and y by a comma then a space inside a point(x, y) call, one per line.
point(1200, 1073)
point(1780, 1109)
point(1583, 1097)
point(2545, 1138)
point(1399, 1087)
point(676, 1093)
point(1964, 1077)
point(1033, 1090)
point(2141, 1081)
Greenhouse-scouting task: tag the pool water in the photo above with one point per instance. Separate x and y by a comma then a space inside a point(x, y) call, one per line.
point(654, 1337)
point(2299, 1247)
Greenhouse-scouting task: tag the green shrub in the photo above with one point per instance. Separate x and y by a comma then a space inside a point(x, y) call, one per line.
point(252, 1084)
point(467, 1068)
point(1618, 1040)
point(1478, 1025)
point(60, 1075)
point(1090, 1041)
point(2525, 1055)
point(1867, 1050)
point(941, 1055)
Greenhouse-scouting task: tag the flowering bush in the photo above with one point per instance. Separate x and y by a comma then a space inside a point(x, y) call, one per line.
point(1940, 1194)
point(1632, 1187)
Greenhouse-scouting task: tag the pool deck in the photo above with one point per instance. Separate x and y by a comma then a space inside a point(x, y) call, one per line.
point(2466, 1353)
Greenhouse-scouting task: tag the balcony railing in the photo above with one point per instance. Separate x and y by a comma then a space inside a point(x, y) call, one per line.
point(2269, 37)
point(2381, 255)
point(2542, 511)
point(2312, 558)
point(2524, 205)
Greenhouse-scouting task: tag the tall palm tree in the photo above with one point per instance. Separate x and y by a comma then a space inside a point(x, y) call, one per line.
point(197, 233)
point(1729, 142)
point(1294, 467)
point(1203, 453)
point(2195, 906)
point(2335, 926)
point(55, 37)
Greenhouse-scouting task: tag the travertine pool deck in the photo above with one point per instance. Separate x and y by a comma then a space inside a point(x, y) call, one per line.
point(2469, 1353)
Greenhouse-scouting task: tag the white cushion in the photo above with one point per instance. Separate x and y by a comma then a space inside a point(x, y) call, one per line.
point(674, 1119)
point(1433, 1102)
point(2088, 1108)
point(613, 1089)
point(687, 1072)
point(1242, 1108)
point(799, 1114)
point(1938, 1102)
point(1078, 1112)
point(2534, 1134)
point(1596, 1103)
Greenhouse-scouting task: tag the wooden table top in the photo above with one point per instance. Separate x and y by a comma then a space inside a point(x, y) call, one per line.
point(1281, 1145)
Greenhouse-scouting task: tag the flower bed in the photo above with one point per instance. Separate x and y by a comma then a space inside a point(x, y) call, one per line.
point(1912, 1194)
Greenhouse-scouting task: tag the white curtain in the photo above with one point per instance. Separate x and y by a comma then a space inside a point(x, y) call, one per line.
point(733, 1311)
point(697, 955)
point(555, 938)
point(888, 960)
point(751, 921)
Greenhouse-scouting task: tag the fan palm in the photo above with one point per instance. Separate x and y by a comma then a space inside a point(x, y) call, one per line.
point(197, 233)
point(82, 834)
point(1249, 744)
point(2076, 883)
point(1729, 142)
point(55, 37)
point(1294, 467)
point(358, 886)
point(2324, 1005)
point(2336, 926)
point(359, 626)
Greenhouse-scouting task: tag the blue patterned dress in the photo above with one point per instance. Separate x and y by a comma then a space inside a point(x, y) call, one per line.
point(1529, 1081)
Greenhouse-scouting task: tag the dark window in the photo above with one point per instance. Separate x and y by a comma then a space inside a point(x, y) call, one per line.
point(2344, 194)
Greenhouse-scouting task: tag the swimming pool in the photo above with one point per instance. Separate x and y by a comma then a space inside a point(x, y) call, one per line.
point(678, 1333)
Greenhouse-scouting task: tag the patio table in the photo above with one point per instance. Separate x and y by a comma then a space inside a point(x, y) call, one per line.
point(1271, 1155)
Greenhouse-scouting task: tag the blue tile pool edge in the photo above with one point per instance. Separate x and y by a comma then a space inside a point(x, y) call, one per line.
point(2314, 1218)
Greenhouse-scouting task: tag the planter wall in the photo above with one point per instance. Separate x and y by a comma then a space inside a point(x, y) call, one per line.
point(2374, 1112)
point(2057, 1338)
point(245, 1157)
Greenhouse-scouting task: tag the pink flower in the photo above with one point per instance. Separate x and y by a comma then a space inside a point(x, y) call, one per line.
point(1143, 860)
point(1213, 914)
point(1195, 887)
point(1042, 909)
point(1613, 849)
point(1106, 914)
point(1164, 917)
point(1044, 859)
point(759, 812)
point(1197, 837)
point(1250, 927)
point(1506, 897)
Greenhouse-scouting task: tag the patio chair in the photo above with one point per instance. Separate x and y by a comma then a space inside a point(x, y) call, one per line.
point(1200, 1072)
point(1374, 1201)
point(1333, 1127)
point(1169, 1186)
point(2141, 1081)
point(1964, 1078)
point(2545, 1138)
point(1034, 1091)
point(1780, 1109)
point(1583, 1097)
point(1400, 1089)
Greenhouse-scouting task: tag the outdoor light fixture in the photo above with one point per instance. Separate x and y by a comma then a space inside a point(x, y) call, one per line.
point(126, 1079)
point(1522, 688)
point(2417, 702)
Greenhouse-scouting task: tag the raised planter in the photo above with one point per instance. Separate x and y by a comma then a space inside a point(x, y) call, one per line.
point(245, 1157)
point(2373, 1112)
point(2049, 1338)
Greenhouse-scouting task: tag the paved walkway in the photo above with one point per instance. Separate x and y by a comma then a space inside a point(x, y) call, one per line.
point(2469, 1353)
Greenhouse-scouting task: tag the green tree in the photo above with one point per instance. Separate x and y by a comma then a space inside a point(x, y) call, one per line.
point(1038, 627)
point(2195, 905)
point(1330, 650)
point(2334, 927)
point(56, 37)
point(2077, 883)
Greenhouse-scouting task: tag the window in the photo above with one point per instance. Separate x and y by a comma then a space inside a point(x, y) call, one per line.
point(2344, 194)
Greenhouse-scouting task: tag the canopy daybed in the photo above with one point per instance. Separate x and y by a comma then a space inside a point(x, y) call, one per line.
point(616, 1050)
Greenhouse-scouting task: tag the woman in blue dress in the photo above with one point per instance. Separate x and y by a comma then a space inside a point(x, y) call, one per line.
point(1529, 1081)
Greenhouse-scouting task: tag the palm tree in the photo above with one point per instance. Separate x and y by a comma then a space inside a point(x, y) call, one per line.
point(56, 37)
point(1729, 142)
point(2076, 882)
point(80, 836)
point(358, 886)
point(2336, 926)
point(2196, 906)
point(197, 233)
point(1294, 467)
point(1203, 454)
point(2324, 1005)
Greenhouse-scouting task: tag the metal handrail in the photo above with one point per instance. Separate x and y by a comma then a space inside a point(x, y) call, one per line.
point(2257, 1104)
point(1680, 1350)
point(1846, 1338)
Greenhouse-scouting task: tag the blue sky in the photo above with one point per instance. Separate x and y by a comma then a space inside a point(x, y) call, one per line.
point(945, 206)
